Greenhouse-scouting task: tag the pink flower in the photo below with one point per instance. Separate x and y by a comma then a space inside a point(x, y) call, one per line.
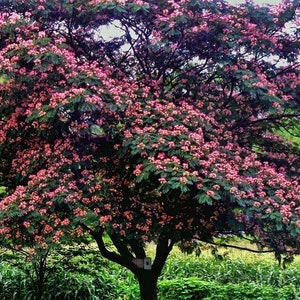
point(162, 180)
point(26, 224)
point(65, 222)
point(138, 170)
point(210, 193)
point(141, 146)
point(47, 229)
point(183, 180)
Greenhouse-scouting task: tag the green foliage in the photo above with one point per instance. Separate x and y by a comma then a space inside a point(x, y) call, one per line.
point(2, 190)
point(3, 78)
point(234, 271)
point(60, 285)
point(80, 273)
point(12, 282)
point(77, 272)
point(291, 135)
point(195, 289)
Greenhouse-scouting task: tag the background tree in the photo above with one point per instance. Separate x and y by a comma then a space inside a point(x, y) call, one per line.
point(167, 132)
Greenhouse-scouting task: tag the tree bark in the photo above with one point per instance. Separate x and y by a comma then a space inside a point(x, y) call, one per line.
point(148, 285)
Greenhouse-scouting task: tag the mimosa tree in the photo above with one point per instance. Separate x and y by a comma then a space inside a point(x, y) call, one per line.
point(167, 131)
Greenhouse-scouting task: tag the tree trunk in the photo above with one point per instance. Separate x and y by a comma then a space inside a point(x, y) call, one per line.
point(148, 285)
point(147, 277)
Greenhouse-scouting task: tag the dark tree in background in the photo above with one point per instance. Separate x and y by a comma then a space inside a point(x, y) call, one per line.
point(171, 130)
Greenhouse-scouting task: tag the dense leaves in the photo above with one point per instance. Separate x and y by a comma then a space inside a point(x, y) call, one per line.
point(169, 130)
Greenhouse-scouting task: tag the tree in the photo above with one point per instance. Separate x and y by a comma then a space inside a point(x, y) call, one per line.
point(169, 131)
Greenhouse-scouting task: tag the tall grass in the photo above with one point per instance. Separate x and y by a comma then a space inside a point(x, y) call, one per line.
point(232, 271)
point(232, 266)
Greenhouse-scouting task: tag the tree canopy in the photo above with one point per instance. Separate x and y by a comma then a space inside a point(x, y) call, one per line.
point(168, 131)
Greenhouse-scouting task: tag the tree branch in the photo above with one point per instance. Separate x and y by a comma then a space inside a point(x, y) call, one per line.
point(98, 236)
point(246, 123)
point(137, 249)
point(125, 258)
point(163, 249)
point(121, 247)
point(240, 248)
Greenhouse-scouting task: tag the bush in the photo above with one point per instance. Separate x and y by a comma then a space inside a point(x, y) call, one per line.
point(232, 271)
point(16, 285)
point(73, 274)
point(12, 283)
point(195, 289)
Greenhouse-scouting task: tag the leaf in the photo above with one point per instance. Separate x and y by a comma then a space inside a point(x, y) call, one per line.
point(216, 196)
point(226, 186)
point(165, 189)
point(97, 130)
point(279, 226)
point(184, 188)
point(42, 41)
point(204, 198)
point(240, 202)
point(2, 190)
point(4, 78)
point(87, 107)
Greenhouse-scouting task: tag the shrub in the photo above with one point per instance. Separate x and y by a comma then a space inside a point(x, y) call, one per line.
point(12, 283)
point(232, 271)
point(195, 289)
point(16, 285)
point(70, 275)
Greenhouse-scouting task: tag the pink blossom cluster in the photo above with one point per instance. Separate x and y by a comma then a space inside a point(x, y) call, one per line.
point(171, 136)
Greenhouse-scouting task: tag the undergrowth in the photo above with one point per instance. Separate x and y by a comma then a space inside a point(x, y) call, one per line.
point(81, 273)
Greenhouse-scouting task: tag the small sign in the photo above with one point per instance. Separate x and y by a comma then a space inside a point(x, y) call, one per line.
point(147, 263)
point(142, 263)
point(139, 262)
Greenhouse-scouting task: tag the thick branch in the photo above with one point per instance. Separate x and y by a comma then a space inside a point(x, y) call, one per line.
point(141, 61)
point(110, 255)
point(121, 247)
point(163, 249)
point(137, 249)
point(125, 258)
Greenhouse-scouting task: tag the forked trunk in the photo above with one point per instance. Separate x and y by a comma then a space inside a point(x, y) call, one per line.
point(146, 273)
point(148, 285)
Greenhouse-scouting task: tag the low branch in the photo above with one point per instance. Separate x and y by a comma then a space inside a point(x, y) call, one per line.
point(240, 248)
point(274, 119)
point(98, 237)
point(111, 255)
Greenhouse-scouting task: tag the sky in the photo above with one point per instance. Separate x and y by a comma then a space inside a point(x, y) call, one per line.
point(113, 32)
